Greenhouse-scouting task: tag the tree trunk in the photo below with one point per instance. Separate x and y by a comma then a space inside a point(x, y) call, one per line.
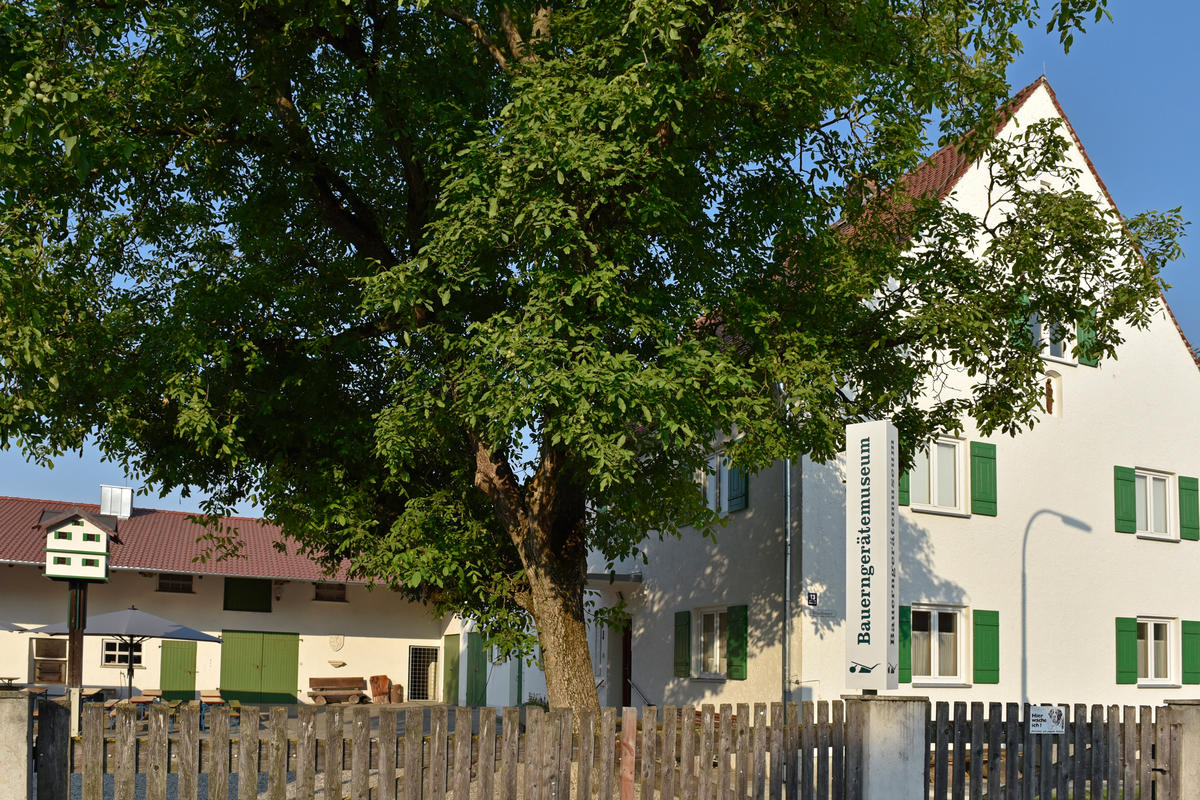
point(562, 630)
point(548, 522)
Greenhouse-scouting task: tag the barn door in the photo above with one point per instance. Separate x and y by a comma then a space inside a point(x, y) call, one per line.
point(259, 667)
point(178, 671)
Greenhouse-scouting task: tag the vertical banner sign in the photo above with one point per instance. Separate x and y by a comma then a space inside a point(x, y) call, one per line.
point(872, 515)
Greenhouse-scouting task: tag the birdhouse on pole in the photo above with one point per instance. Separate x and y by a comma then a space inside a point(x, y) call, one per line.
point(77, 544)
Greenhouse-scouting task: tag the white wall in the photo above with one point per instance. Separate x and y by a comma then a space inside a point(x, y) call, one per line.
point(371, 632)
point(743, 566)
point(1050, 562)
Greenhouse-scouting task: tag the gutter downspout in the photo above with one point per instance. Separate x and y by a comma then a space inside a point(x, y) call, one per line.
point(787, 581)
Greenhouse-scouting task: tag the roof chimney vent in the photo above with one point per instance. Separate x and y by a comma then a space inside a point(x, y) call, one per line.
point(116, 501)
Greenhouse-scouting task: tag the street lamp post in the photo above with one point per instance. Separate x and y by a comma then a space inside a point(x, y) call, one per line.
point(1069, 521)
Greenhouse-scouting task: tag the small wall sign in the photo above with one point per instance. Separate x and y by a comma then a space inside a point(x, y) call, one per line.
point(812, 598)
point(1047, 719)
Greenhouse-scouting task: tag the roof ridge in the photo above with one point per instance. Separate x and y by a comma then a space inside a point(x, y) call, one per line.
point(77, 504)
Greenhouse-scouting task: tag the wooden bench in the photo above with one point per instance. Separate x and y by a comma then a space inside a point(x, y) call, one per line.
point(337, 690)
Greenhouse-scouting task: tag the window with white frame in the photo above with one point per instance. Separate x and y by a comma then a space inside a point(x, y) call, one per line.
point(712, 641)
point(116, 653)
point(726, 487)
point(710, 483)
point(1152, 492)
point(936, 478)
point(937, 643)
point(49, 660)
point(1154, 651)
point(1052, 339)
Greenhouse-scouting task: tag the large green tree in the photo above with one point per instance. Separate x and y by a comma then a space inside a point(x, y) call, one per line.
point(433, 283)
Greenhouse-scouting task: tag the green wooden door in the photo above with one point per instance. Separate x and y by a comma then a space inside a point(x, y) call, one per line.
point(476, 670)
point(280, 667)
point(241, 665)
point(259, 667)
point(178, 670)
point(450, 669)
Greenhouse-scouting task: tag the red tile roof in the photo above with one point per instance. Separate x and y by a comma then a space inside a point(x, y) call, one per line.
point(161, 541)
point(941, 173)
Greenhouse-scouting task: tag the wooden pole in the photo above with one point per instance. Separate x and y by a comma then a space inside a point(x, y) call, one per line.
point(76, 621)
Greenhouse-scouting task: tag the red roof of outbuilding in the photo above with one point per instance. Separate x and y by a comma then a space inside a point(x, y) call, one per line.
point(161, 541)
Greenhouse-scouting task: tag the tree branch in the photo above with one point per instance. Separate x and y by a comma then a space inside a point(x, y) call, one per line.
point(477, 32)
point(516, 45)
point(333, 193)
point(495, 478)
point(352, 46)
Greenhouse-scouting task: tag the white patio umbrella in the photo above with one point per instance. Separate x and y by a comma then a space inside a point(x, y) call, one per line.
point(132, 627)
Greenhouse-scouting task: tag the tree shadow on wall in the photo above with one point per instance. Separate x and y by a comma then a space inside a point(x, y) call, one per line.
point(824, 554)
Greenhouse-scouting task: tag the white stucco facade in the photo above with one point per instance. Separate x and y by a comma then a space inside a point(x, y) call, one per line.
point(1050, 564)
point(371, 633)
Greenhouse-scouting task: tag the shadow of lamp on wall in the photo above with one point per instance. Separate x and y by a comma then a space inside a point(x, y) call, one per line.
point(1069, 521)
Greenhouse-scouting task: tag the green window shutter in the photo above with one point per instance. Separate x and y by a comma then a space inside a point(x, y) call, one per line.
point(451, 652)
point(738, 489)
point(905, 644)
point(736, 644)
point(1191, 651)
point(1086, 335)
point(983, 478)
point(985, 632)
point(1189, 508)
point(683, 644)
point(476, 670)
point(1124, 500)
point(247, 594)
point(903, 488)
point(1126, 650)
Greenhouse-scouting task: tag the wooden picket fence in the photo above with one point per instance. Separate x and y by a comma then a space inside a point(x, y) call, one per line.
point(1129, 753)
point(766, 752)
point(806, 751)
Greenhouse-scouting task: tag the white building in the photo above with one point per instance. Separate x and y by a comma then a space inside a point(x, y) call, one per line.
point(282, 621)
point(1056, 566)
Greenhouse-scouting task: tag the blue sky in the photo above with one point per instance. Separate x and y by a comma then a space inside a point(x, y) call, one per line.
point(1132, 91)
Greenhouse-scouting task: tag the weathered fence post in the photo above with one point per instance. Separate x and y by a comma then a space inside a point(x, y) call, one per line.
point(894, 756)
point(53, 759)
point(1186, 714)
point(16, 745)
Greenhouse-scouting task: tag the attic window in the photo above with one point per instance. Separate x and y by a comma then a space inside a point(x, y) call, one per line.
point(330, 592)
point(176, 584)
point(78, 522)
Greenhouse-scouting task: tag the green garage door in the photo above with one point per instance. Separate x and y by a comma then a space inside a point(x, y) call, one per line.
point(259, 667)
point(178, 678)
